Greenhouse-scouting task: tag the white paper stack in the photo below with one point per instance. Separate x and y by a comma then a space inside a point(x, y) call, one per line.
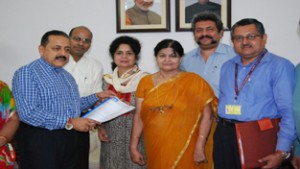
point(109, 109)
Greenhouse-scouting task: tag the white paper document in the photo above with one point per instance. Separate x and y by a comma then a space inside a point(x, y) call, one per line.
point(108, 109)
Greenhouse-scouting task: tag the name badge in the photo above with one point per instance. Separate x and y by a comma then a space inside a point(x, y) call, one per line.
point(233, 109)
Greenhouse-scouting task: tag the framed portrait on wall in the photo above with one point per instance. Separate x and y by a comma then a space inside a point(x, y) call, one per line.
point(143, 16)
point(186, 9)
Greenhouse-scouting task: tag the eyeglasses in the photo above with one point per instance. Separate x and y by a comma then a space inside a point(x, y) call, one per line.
point(83, 40)
point(250, 37)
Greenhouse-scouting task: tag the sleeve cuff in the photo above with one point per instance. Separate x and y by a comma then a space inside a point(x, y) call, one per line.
point(284, 145)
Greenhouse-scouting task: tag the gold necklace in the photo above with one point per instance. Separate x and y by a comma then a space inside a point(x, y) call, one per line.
point(162, 106)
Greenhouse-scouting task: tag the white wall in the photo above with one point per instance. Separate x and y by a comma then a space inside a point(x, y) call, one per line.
point(24, 22)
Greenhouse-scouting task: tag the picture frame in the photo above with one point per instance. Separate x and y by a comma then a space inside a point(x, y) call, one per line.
point(181, 17)
point(129, 21)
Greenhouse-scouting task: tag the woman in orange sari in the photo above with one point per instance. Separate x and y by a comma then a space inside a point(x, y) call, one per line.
point(174, 111)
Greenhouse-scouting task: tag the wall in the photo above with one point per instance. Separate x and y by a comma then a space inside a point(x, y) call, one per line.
point(24, 22)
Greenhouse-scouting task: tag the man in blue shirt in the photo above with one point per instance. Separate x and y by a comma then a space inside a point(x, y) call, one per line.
point(256, 85)
point(296, 159)
point(49, 106)
point(207, 59)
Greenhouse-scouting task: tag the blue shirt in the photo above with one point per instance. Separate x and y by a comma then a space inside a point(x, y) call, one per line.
point(267, 94)
point(297, 109)
point(210, 71)
point(46, 96)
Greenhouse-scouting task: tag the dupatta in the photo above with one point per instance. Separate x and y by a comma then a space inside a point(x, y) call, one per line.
point(127, 82)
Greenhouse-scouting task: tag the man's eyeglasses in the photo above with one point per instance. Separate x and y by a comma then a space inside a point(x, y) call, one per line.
point(83, 40)
point(248, 37)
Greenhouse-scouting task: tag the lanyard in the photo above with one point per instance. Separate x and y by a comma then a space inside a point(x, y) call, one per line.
point(237, 89)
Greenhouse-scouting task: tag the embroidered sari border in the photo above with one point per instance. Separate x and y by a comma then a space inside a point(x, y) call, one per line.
point(190, 135)
point(167, 81)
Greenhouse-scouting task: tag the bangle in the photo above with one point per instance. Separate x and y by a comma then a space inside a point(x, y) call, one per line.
point(4, 138)
point(201, 136)
point(135, 136)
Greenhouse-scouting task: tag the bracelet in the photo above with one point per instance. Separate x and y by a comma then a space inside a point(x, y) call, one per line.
point(4, 138)
point(135, 136)
point(201, 136)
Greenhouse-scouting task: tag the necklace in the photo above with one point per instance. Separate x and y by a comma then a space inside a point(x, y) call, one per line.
point(163, 106)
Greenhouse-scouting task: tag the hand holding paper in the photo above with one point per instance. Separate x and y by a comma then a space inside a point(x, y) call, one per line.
point(108, 109)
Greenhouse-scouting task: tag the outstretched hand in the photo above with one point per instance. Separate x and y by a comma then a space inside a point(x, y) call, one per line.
point(105, 94)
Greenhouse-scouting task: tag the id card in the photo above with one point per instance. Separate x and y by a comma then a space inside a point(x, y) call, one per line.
point(233, 109)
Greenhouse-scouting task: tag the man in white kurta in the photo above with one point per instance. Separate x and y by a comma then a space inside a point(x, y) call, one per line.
point(88, 74)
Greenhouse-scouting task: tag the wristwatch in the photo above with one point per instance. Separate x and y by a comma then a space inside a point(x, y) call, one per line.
point(284, 155)
point(69, 125)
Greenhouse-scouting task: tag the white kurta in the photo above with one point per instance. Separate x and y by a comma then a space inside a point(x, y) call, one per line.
point(88, 74)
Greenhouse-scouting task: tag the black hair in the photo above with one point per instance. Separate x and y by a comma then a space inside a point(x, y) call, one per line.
point(169, 43)
point(207, 16)
point(132, 42)
point(248, 21)
point(45, 37)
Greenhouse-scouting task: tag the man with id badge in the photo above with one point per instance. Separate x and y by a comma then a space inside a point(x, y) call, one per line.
point(255, 128)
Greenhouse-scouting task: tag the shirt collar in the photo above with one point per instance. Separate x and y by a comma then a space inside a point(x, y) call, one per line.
point(48, 66)
point(72, 61)
point(220, 49)
point(238, 59)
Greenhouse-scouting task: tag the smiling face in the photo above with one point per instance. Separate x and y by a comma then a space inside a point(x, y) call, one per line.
point(168, 60)
point(80, 39)
point(206, 34)
point(124, 57)
point(56, 52)
point(144, 5)
point(248, 43)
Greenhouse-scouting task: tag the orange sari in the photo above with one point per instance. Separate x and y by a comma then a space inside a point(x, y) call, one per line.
point(170, 135)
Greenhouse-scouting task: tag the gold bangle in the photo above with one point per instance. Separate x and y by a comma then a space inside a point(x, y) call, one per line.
point(201, 136)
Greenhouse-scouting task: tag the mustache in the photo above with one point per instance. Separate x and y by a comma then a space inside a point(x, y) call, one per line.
point(246, 45)
point(205, 36)
point(61, 57)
